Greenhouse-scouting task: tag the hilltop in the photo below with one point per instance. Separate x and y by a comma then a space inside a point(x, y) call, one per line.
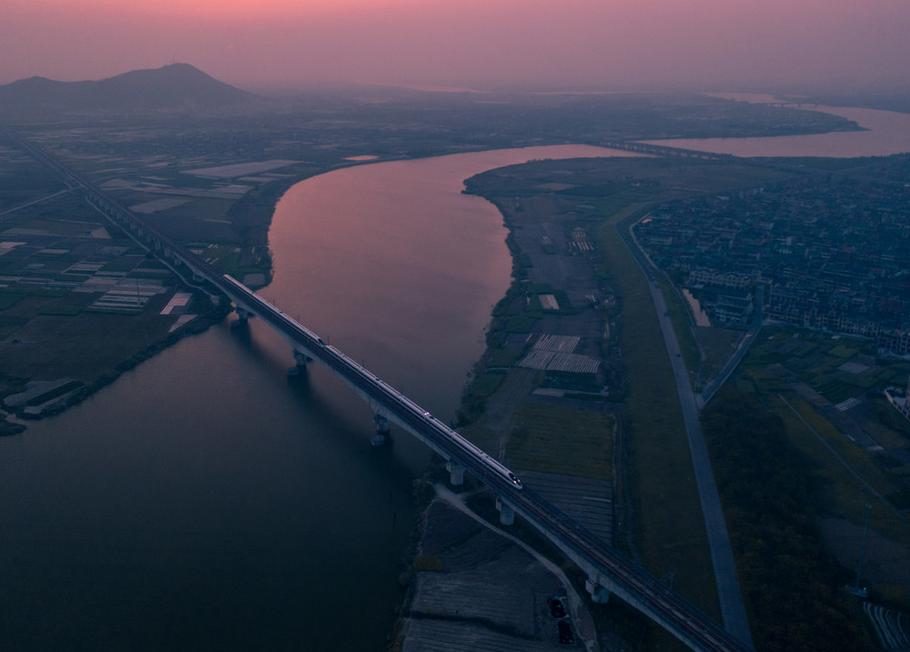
point(175, 86)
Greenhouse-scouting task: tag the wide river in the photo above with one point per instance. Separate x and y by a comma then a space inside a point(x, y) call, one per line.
point(884, 133)
point(203, 501)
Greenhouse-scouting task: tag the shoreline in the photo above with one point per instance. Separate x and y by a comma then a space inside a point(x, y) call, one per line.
point(252, 218)
point(430, 513)
point(466, 412)
point(197, 326)
point(14, 422)
point(480, 366)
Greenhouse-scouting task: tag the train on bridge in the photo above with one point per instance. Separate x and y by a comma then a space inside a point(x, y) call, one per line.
point(607, 571)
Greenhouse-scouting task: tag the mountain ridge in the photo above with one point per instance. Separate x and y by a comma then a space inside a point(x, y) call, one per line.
point(174, 86)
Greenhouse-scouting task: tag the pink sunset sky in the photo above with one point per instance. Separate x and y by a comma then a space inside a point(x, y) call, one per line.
point(609, 44)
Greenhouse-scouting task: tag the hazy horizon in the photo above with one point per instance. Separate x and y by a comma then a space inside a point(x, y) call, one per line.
point(815, 45)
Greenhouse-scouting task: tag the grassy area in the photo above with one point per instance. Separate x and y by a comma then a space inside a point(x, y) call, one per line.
point(850, 477)
point(679, 316)
point(666, 516)
point(836, 367)
point(670, 529)
point(9, 299)
point(888, 427)
point(716, 346)
point(771, 491)
point(556, 439)
point(485, 384)
point(231, 259)
point(841, 478)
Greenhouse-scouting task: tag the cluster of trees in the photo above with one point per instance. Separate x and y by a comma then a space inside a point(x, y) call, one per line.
point(794, 589)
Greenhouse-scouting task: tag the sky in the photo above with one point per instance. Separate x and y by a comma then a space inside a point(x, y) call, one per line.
point(811, 45)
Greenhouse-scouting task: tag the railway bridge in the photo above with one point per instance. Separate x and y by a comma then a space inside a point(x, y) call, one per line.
point(606, 570)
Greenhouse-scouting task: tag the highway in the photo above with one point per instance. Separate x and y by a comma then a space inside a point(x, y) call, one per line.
point(729, 593)
point(604, 567)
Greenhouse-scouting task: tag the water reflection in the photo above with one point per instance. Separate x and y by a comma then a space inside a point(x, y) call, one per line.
point(203, 501)
point(885, 132)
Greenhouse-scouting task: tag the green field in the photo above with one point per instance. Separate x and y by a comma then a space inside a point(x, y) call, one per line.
point(823, 361)
point(844, 478)
point(773, 482)
point(670, 529)
point(851, 478)
point(664, 516)
point(679, 315)
point(555, 439)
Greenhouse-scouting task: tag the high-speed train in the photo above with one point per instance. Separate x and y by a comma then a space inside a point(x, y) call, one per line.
point(489, 463)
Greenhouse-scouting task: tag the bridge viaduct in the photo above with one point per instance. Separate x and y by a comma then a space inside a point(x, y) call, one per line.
point(606, 570)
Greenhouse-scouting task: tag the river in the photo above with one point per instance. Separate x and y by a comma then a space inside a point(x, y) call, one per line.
point(884, 133)
point(203, 501)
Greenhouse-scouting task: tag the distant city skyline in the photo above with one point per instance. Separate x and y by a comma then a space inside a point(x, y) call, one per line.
point(621, 44)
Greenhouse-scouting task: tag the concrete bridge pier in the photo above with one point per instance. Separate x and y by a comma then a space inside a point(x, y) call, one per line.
point(243, 316)
point(456, 473)
point(383, 431)
point(506, 513)
point(599, 594)
point(301, 360)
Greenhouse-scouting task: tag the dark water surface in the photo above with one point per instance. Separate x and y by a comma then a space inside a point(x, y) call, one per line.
point(203, 501)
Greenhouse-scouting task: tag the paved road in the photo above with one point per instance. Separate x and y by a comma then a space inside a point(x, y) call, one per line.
point(33, 202)
point(748, 340)
point(729, 593)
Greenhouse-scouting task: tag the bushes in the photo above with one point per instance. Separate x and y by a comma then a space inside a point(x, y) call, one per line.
point(793, 588)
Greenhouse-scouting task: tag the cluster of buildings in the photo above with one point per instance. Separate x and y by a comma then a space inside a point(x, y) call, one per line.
point(830, 253)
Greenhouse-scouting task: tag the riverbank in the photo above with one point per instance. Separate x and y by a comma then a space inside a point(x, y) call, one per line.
point(55, 358)
point(234, 235)
point(524, 416)
point(562, 431)
point(54, 405)
point(251, 216)
point(204, 471)
point(664, 522)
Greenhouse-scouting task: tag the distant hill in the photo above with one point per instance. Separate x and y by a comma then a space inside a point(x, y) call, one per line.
point(176, 86)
